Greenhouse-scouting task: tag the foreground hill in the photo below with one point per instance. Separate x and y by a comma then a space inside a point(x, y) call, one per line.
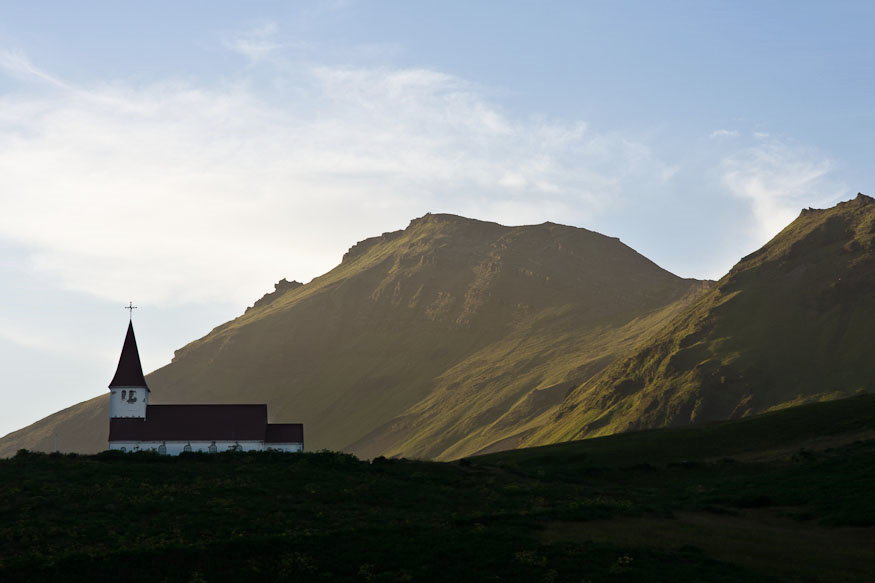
point(435, 341)
point(784, 496)
point(791, 323)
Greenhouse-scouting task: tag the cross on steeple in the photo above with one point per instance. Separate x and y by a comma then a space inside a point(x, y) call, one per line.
point(131, 307)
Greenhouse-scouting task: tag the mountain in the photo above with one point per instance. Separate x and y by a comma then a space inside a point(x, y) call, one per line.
point(791, 323)
point(455, 336)
point(439, 340)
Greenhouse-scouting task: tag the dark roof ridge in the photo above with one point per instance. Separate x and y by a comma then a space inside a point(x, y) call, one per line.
point(193, 422)
point(284, 433)
point(263, 405)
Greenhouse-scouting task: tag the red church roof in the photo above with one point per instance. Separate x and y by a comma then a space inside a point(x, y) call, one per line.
point(285, 433)
point(129, 372)
point(193, 423)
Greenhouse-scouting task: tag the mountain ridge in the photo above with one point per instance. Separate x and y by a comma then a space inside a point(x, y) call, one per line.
point(412, 290)
point(455, 336)
point(418, 311)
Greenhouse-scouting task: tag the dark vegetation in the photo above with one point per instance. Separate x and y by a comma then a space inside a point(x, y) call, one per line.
point(786, 496)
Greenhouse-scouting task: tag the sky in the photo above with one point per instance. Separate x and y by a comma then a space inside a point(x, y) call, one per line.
point(188, 155)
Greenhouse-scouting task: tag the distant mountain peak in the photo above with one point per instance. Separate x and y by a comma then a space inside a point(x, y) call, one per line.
point(859, 200)
point(451, 219)
point(438, 219)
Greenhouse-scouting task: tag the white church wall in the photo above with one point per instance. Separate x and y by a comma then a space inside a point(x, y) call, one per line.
point(289, 447)
point(177, 447)
point(128, 402)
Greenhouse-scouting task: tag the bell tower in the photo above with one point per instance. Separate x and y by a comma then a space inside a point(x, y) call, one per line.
point(129, 393)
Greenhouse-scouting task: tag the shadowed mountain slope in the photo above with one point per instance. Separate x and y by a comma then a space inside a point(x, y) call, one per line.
point(791, 323)
point(84, 428)
point(436, 341)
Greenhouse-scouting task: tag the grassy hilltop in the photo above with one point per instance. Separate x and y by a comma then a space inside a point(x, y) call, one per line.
point(783, 496)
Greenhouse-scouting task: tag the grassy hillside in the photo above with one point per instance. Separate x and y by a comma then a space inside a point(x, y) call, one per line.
point(792, 323)
point(781, 497)
point(435, 341)
point(767, 436)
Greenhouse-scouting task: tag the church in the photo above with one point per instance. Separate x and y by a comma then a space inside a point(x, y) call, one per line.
point(136, 425)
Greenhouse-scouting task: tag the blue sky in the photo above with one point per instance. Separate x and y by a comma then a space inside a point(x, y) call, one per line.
point(187, 155)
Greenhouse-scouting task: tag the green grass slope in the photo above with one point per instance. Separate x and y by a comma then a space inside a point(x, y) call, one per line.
point(435, 341)
point(792, 323)
point(785, 496)
point(766, 436)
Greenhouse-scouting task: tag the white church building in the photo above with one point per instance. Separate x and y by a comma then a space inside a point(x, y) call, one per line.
point(136, 425)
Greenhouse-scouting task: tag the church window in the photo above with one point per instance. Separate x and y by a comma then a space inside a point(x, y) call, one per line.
point(124, 395)
point(213, 448)
point(162, 449)
point(187, 447)
point(123, 449)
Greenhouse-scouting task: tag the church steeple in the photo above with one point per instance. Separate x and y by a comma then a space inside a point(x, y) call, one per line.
point(129, 372)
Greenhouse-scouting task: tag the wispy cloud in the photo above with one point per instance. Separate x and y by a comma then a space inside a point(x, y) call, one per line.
point(256, 43)
point(718, 134)
point(190, 193)
point(778, 178)
point(16, 63)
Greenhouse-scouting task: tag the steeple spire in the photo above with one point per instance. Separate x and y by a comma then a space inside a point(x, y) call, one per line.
point(129, 372)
